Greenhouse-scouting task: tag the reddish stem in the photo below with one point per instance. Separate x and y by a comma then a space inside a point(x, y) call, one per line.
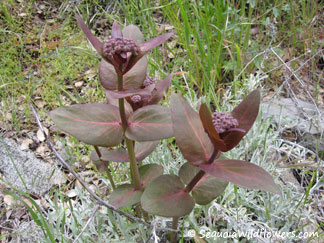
point(200, 174)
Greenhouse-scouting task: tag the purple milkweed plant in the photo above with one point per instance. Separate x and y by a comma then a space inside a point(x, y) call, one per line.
point(128, 127)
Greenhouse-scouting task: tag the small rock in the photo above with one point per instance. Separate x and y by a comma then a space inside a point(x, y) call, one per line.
point(71, 193)
point(17, 165)
point(302, 118)
point(286, 109)
point(8, 200)
point(78, 84)
point(25, 144)
point(40, 135)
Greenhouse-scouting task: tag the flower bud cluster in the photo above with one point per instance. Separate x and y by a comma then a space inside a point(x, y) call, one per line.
point(223, 121)
point(119, 45)
point(136, 98)
point(147, 82)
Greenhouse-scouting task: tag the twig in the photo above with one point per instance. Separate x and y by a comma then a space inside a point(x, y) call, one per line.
point(93, 194)
point(300, 81)
point(88, 222)
point(107, 169)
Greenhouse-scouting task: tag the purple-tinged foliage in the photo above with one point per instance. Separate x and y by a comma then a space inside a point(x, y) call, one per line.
point(142, 150)
point(241, 173)
point(157, 92)
point(245, 114)
point(150, 123)
point(165, 196)
point(121, 52)
point(95, 124)
point(133, 119)
point(189, 132)
point(207, 189)
point(126, 195)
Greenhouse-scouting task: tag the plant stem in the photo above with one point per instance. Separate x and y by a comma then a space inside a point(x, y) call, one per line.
point(129, 143)
point(200, 174)
point(133, 164)
point(107, 170)
point(173, 237)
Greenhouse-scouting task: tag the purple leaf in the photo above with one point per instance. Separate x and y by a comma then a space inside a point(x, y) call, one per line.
point(126, 93)
point(165, 196)
point(160, 90)
point(131, 80)
point(142, 150)
point(116, 31)
point(125, 195)
point(93, 40)
point(189, 132)
point(100, 165)
point(114, 102)
point(146, 47)
point(107, 155)
point(232, 139)
point(207, 122)
point(149, 172)
point(150, 123)
point(149, 45)
point(133, 32)
point(247, 111)
point(96, 124)
point(207, 189)
point(242, 173)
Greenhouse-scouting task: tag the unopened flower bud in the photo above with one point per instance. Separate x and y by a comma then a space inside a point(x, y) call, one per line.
point(119, 45)
point(136, 98)
point(223, 121)
point(148, 81)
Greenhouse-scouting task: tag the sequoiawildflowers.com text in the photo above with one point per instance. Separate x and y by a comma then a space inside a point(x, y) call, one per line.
point(263, 233)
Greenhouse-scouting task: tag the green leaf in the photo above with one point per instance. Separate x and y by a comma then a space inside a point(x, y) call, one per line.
point(207, 189)
point(165, 196)
point(242, 173)
point(150, 123)
point(189, 132)
point(96, 124)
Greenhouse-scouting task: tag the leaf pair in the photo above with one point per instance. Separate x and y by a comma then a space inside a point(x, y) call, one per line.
point(142, 150)
point(245, 113)
point(126, 195)
point(166, 195)
point(100, 124)
point(197, 139)
point(196, 135)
